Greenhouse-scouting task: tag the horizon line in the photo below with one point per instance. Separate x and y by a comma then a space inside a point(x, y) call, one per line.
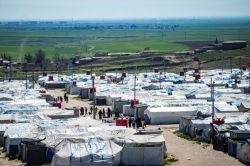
point(128, 19)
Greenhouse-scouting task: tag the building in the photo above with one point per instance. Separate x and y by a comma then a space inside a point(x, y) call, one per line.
point(233, 45)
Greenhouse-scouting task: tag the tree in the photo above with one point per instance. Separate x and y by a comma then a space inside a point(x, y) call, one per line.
point(39, 56)
point(28, 58)
point(57, 60)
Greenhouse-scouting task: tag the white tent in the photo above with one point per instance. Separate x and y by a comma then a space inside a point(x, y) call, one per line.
point(92, 151)
point(168, 115)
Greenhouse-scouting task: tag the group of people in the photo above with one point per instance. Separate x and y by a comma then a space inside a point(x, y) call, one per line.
point(136, 123)
point(58, 98)
point(103, 113)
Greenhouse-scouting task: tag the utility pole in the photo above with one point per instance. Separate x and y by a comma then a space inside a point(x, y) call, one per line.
point(135, 85)
point(26, 74)
point(248, 78)
point(212, 97)
point(164, 68)
point(116, 75)
point(26, 78)
point(93, 90)
point(10, 74)
point(231, 67)
point(33, 79)
point(222, 64)
point(240, 69)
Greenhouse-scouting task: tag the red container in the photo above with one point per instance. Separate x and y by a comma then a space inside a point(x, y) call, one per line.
point(244, 67)
point(51, 78)
point(185, 70)
point(133, 102)
point(197, 76)
point(218, 121)
point(121, 122)
point(156, 70)
point(196, 71)
point(102, 77)
point(45, 74)
point(42, 91)
point(182, 73)
point(88, 72)
point(124, 74)
point(91, 90)
point(56, 104)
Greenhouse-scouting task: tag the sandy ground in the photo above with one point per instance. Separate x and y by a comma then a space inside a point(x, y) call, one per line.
point(4, 161)
point(189, 153)
point(75, 101)
point(186, 152)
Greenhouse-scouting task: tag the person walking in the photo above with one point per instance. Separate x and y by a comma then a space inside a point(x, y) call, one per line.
point(91, 110)
point(109, 113)
point(100, 114)
point(86, 111)
point(81, 111)
point(129, 121)
point(65, 94)
point(61, 99)
point(103, 113)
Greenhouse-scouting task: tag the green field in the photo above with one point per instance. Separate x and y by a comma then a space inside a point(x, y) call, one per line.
point(66, 43)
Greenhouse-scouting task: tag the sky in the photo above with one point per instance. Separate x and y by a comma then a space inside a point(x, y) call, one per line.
point(120, 9)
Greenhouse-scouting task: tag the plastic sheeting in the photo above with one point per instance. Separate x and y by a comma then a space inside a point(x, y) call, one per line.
point(143, 155)
point(21, 132)
point(168, 115)
point(243, 151)
point(92, 151)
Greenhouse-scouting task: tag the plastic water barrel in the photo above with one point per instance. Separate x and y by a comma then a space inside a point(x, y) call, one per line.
point(244, 67)
point(92, 90)
point(102, 77)
point(197, 76)
point(156, 70)
point(124, 74)
point(51, 78)
point(88, 72)
point(196, 71)
point(218, 121)
point(121, 122)
point(45, 74)
point(134, 102)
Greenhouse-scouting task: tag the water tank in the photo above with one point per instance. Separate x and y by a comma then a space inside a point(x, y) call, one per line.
point(156, 70)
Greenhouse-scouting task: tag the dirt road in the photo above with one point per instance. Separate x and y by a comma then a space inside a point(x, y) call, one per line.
point(75, 101)
point(189, 153)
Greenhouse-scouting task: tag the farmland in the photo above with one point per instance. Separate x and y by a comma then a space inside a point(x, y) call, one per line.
point(163, 35)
